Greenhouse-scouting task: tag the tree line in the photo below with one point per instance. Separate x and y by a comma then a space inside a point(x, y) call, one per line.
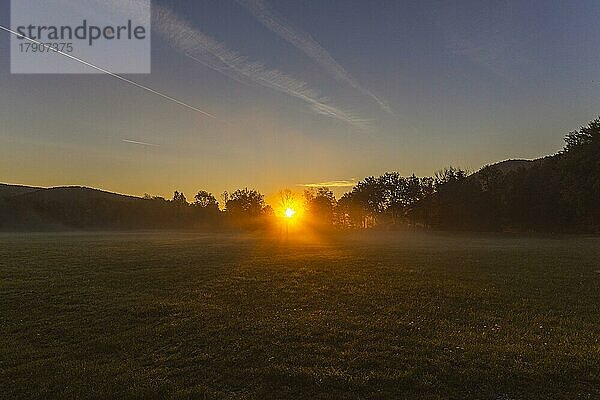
point(557, 193)
point(560, 192)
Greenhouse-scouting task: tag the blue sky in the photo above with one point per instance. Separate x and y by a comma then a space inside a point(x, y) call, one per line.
point(413, 85)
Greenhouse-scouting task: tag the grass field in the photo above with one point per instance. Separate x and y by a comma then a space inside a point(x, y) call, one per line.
point(380, 316)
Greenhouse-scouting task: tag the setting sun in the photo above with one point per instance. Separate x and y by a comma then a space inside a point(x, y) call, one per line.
point(290, 212)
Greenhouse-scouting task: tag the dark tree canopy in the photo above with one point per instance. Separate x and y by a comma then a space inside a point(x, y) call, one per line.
point(179, 199)
point(245, 203)
point(320, 204)
point(586, 136)
point(206, 200)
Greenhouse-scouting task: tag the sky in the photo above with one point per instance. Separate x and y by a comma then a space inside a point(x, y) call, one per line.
point(309, 92)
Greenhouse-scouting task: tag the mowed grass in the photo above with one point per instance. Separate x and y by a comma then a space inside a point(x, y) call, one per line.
point(404, 315)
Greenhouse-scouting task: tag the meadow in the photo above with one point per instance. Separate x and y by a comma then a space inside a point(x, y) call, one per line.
point(358, 316)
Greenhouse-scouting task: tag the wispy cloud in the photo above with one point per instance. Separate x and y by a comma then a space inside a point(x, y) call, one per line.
point(140, 143)
point(302, 41)
point(340, 183)
point(215, 55)
point(117, 76)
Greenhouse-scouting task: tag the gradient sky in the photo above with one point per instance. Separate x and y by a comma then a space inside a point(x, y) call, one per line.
point(419, 85)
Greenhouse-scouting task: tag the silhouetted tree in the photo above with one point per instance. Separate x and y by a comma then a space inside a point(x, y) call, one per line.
point(320, 204)
point(364, 204)
point(268, 211)
point(394, 190)
point(286, 199)
point(350, 212)
point(586, 136)
point(245, 203)
point(206, 201)
point(179, 199)
point(579, 169)
point(427, 186)
point(225, 198)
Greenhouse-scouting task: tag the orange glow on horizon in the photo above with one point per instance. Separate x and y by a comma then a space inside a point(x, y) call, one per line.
point(289, 210)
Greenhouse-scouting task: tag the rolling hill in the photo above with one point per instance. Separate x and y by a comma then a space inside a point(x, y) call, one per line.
point(7, 190)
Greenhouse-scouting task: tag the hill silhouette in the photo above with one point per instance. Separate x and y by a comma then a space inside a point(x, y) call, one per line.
point(75, 207)
point(7, 190)
point(512, 165)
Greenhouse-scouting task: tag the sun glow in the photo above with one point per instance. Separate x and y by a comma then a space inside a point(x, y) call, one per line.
point(290, 212)
point(289, 208)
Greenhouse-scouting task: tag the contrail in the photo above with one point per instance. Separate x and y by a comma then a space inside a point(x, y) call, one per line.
point(302, 41)
point(140, 143)
point(129, 81)
point(214, 54)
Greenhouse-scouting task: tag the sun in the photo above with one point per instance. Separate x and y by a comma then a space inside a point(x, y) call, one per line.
point(290, 212)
